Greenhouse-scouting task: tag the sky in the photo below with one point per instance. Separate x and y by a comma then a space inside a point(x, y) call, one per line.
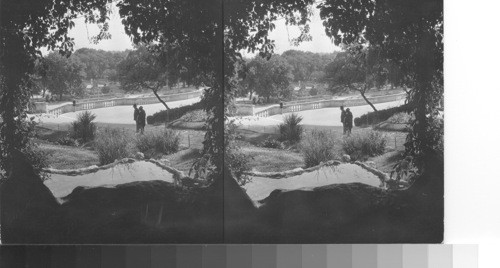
point(119, 41)
point(282, 35)
point(319, 43)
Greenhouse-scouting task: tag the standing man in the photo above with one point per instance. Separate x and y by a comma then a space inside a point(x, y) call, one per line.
point(136, 117)
point(342, 118)
point(141, 119)
point(348, 121)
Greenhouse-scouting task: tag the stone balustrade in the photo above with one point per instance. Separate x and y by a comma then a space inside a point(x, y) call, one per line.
point(312, 105)
point(89, 105)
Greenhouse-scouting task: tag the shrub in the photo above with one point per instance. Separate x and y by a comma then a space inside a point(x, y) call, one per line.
point(239, 164)
point(67, 141)
point(290, 129)
point(173, 114)
point(38, 159)
point(400, 118)
point(436, 134)
point(83, 128)
point(194, 116)
point(380, 116)
point(363, 145)
point(105, 89)
point(165, 142)
point(111, 145)
point(317, 147)
point(34, 156)
point(272, 143)
point(313, 91)
point(234, 158)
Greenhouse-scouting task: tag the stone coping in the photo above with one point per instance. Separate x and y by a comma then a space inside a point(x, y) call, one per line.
point(299, 171)
point(87, 170)
point(177, 174)
point(381, 175)
point(293, 172)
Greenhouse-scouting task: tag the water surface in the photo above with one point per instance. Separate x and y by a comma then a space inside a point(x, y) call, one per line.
point(260, 187)
point(62, 185)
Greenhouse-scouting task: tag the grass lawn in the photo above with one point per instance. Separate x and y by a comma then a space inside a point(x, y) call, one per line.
point(189, 137)
point(51, 135)
point(68, 157)
point(269, 160)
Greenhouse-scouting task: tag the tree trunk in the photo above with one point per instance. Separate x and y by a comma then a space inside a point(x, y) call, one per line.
point(155, 91)
point(368, 101)
point(406, 90)
point(362, 92)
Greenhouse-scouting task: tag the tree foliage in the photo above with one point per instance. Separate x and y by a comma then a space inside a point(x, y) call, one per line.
point(306, 64)
point(188, 35)
point(268, 78)
point(206, 38)
point(142, 70)
point(247, 24)
point(410, 35)
point(359, 69)
point(25, 27)
point(99, 64)
point(60, 74)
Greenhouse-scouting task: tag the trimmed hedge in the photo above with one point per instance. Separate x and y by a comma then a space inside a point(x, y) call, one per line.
point(380, 116)
point(173, 114)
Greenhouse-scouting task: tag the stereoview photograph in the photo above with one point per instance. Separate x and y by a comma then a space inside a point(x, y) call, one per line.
point(211, 121)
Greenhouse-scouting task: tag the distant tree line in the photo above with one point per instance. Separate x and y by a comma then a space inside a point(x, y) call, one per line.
point(136, 70)
point(356, 68)
point(361, 68)
point(274, 78)
point(147, 68)
point(66, 75)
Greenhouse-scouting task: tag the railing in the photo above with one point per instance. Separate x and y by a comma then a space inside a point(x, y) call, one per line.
point(68, 108)
point(297, 107)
